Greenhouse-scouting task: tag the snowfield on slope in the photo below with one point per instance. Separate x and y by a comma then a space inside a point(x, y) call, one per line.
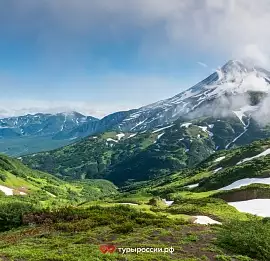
point(265, 153)
point(158, 130)
point(259, 207)
point(245, 182)
point(241, 112)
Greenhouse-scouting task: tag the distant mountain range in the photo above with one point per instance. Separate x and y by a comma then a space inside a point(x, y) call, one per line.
point(236, 91)
point(32, 133)
point(42, 124)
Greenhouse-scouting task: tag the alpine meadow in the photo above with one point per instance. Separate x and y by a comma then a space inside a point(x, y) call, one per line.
point(119, 142)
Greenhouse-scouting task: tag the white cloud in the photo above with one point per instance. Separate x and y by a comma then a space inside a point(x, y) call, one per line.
point(23, 107)
point(226, 27)
point(164, 30)
point(202, 64)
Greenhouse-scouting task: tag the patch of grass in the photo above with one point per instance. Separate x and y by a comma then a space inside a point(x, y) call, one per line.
point(216, 208)
point(76, 233)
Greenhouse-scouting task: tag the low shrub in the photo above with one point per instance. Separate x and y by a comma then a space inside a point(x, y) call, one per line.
point(251, 238)
point(11, 214)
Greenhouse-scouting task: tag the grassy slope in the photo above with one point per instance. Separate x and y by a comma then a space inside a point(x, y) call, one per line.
point(47, 189)
point(204, 172)
point(75, 233)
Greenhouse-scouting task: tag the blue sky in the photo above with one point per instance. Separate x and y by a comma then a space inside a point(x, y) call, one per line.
point(101, 56)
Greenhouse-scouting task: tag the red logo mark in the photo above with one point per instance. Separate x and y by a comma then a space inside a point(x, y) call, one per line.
point(107, 248)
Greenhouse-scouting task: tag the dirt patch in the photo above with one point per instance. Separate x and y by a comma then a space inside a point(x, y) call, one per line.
point(243, 195)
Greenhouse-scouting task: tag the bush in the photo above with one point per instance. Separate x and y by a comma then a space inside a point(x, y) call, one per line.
point(251, 238)
point(123, 228)
point(11, 214)
point(3, 177)
point(157, 202)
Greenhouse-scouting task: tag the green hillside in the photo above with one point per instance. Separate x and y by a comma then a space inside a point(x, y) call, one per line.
point(146, 155)
point(138, 157)
point(217, 171)
point(59, 219)
point(30, 185)
point(75, 229)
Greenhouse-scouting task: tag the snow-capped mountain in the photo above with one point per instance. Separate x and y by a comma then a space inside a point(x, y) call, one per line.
point(228, 89)
point(41, 124)
point(234, 90)
point(237, 91)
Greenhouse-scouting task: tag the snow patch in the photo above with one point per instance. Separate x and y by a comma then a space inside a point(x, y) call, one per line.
point(168, 202)
point(240, 116)
point(259, 207)
point(219, 159)
point(186, 125)
point(245, 182)
point(120, 136)
point(158, 130)
point(160, 135)
point(204, 220)
point(203, 128)
point(265, 153)
point(217, 170)
point(131, 204)
point(132, 135)
point(192, 186)
point(138, 124)
point(110, 139)
point(6, 190)
point(240, 135)
point(220, 74)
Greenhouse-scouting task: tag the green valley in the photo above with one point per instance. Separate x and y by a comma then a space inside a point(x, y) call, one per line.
point(69, 220)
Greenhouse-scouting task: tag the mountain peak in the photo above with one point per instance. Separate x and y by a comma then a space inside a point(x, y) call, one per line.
point(233, 66)
point(71, 114)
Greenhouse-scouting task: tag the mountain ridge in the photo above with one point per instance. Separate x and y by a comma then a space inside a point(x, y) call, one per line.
point(234, 90)
point(233, 86)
